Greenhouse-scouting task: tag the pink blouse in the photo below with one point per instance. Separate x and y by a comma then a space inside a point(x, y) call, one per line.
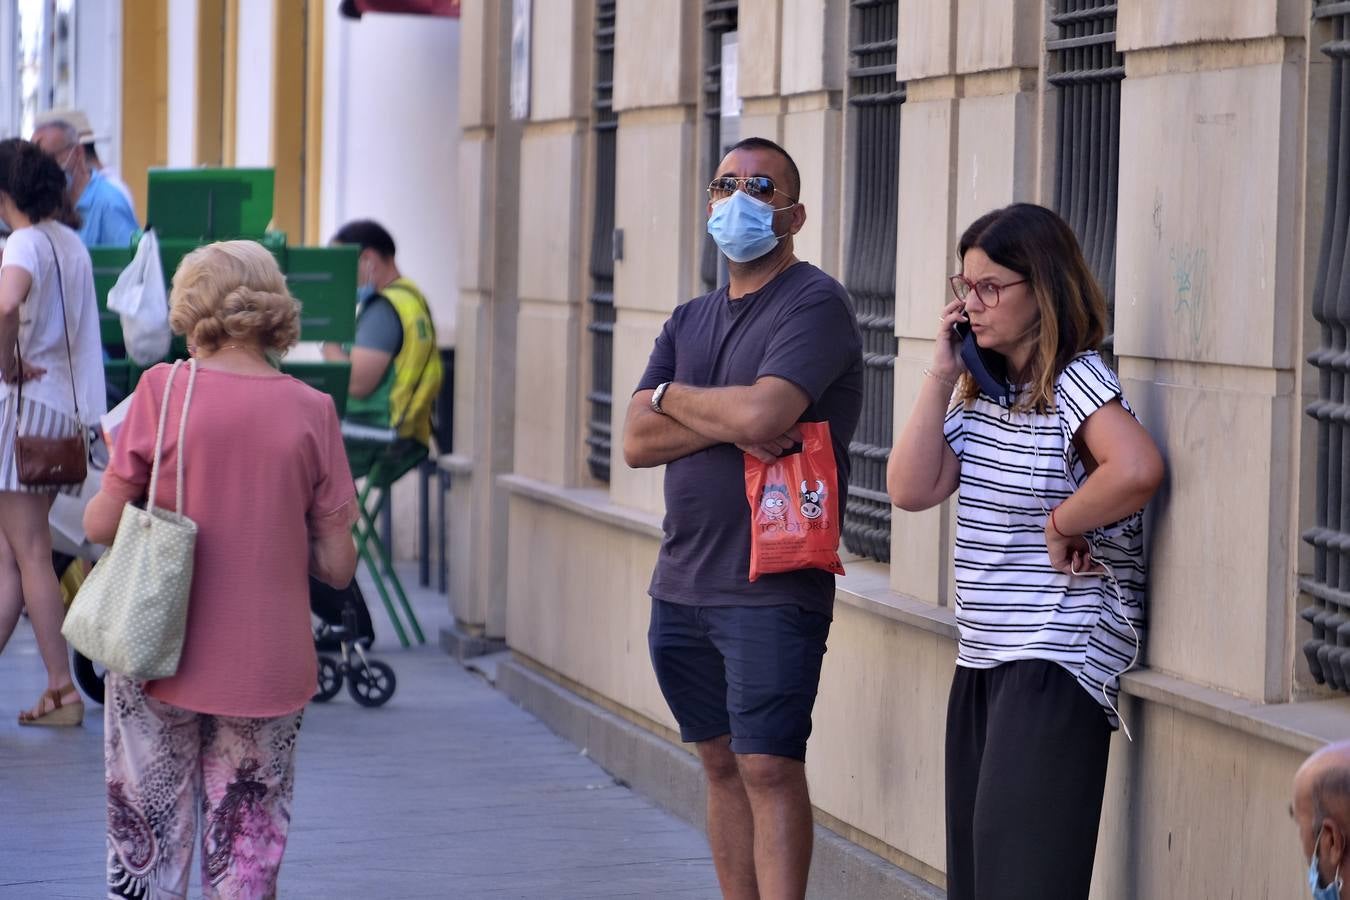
point(265, 473)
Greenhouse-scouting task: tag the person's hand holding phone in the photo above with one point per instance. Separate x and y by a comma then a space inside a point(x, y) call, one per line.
point(1069, 554)
point(947, 363)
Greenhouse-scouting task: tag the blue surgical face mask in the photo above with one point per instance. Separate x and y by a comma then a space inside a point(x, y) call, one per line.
point(743, 227)
point(65, 167)
point(1333, 890)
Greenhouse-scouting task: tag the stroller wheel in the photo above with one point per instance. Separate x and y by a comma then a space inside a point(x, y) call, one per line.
point(88, 675)
point(371, 684)
point(330, 680)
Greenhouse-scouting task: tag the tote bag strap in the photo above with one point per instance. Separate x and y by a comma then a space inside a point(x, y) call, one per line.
point(182, 432)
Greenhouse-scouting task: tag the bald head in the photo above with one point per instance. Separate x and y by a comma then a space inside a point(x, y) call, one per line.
point(1321, 807)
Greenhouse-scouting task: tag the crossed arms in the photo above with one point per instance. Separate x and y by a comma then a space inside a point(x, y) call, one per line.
point(758, 418)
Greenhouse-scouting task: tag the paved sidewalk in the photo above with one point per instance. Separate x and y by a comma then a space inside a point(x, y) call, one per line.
point(449, 791)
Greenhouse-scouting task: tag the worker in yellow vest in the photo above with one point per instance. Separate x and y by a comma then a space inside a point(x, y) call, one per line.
point(396, 365)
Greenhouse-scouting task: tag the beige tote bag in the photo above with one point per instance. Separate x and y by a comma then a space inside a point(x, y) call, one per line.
point(131, 613)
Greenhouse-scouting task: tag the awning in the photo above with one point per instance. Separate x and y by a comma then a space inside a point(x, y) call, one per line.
point(353, 9)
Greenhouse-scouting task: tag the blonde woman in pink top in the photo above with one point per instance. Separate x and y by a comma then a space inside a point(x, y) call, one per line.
point(266, 480)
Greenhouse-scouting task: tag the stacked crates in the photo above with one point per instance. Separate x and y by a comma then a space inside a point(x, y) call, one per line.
point(192, 207)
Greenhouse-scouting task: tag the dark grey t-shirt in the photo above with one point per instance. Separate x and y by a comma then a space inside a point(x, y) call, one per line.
point(800, 327)
point(378, 326)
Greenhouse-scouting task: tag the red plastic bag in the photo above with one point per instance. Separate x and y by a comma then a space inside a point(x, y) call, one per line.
point(794, 513)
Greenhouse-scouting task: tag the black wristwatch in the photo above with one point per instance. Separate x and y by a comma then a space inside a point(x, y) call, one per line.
point(657, 395)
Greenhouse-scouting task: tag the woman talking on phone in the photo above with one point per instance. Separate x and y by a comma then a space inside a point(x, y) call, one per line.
point(1019, 411)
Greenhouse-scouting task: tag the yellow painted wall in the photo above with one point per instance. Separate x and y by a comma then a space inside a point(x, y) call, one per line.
point(145, 67)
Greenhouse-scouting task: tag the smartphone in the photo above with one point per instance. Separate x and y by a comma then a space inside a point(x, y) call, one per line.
point(989, 369)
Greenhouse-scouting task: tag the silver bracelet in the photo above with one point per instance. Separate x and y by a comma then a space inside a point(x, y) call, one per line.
point(936, 377)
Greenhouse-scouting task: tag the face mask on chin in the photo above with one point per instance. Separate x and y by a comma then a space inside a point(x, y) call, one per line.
point(742, 227)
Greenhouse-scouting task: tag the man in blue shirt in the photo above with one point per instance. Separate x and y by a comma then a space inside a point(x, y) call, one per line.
point(106, 217)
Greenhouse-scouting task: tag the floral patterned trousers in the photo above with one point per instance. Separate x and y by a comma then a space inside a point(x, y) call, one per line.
point(166, 767)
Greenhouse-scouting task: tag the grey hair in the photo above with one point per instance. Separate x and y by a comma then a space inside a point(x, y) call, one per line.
point(68, 131)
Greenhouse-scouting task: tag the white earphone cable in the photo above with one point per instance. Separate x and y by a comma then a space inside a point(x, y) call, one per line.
point(1105, 572)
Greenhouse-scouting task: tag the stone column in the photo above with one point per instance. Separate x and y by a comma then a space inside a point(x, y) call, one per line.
point(1208, 307)
point(549, 398)
point(968, 144)
point(485, 358)
point(657, 60)
point(813, 50)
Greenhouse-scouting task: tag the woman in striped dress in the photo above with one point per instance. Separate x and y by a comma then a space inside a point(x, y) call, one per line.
point(48, 312)
point(1052, 477)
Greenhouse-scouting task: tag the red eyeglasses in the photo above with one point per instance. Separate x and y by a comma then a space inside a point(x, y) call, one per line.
point(988, 291)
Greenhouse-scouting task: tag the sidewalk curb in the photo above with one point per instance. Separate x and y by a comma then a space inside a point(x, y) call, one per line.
point(671, 778)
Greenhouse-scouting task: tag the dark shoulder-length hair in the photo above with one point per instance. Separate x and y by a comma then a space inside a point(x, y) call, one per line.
point(1037, 244)
point(33, 179)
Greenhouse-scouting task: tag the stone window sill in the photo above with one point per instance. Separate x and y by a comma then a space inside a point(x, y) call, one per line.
point(1303, 726)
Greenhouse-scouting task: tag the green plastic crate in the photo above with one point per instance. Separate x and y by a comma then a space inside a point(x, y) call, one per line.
point(122, 376)
point(171, 253)
point(323, 279)
point(332, 378)
point(108, 265)
point(204, 205)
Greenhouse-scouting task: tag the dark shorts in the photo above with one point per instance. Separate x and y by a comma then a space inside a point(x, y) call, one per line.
point(747, 671)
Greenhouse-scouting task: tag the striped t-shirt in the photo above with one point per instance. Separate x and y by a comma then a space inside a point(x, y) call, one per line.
point(1010, 603)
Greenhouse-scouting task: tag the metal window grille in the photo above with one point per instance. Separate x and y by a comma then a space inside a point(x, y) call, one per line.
point(874, 105)
point(719, 17)
point(1328, 651)
point(1087, 72)
point(601, 327)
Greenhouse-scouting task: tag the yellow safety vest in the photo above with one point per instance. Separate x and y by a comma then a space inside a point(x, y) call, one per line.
point(407, 394)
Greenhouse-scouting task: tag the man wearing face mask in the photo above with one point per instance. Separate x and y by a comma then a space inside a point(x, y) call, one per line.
point(733, 372)
point(1321, 810)
point(396, 364)
point(106, 217)
point(88, 142)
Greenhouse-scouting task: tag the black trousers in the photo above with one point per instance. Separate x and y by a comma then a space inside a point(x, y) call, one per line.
point(1026, 767)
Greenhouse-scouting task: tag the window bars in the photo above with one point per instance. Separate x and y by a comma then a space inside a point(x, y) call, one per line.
point(874, 100)
point(1328, 651)
point(719, 17)
point(1087, 70)
point(601, 327)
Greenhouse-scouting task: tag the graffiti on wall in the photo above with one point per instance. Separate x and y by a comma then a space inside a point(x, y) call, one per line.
point(1190, 297)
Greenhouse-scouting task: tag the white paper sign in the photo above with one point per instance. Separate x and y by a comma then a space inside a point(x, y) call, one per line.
point(731, 96)
point(520, 59)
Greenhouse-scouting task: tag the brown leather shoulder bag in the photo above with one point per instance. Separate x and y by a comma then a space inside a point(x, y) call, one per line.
point(52, 461)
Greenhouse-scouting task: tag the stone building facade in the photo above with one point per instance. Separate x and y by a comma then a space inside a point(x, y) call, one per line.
point(1196, 149)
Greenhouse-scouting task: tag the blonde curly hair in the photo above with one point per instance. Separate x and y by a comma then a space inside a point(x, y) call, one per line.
point(233, 291)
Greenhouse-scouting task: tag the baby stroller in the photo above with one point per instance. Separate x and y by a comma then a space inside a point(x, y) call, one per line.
point(342, 613)
point(345, 627)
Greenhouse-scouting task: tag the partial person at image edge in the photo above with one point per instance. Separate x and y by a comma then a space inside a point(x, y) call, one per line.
point(1321, 812)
